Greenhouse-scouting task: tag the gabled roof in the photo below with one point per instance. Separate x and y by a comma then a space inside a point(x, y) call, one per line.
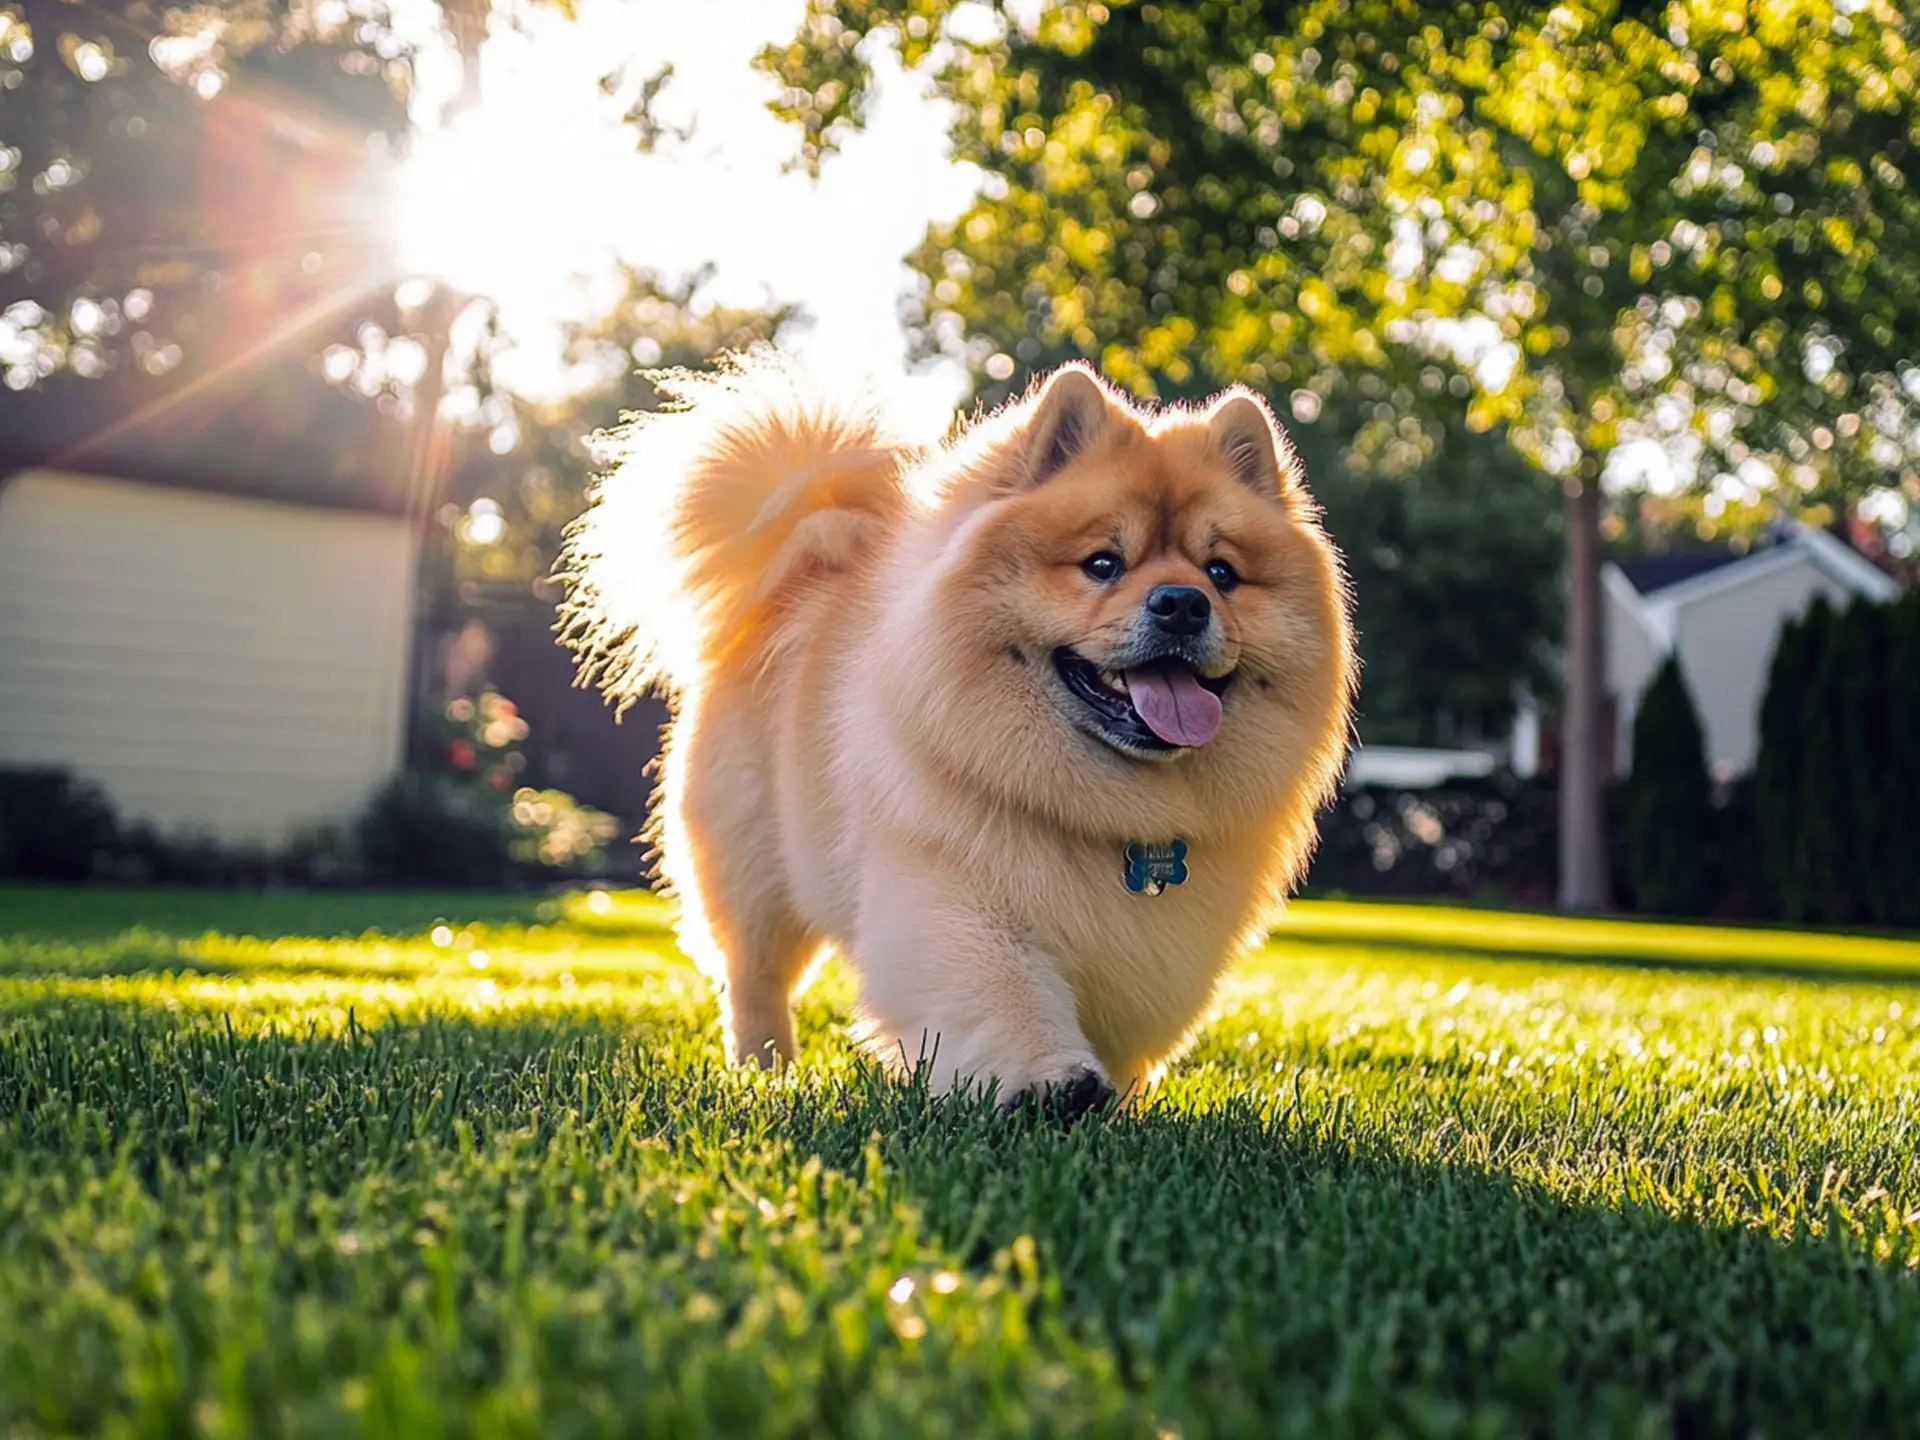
point(1663, 591)
point(278, 432)
point(1649, 574)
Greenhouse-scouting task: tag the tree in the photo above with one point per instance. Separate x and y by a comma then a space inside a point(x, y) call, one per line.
point(517, 471)
point(199, 196)
point(1602, 222)
point(1900, 784)
point(1825, 882)
point(1868, 810)
point(1836, 778)
point(1782, 756)
point(1454, 557)
point(526, 464)
point(1669, 800)
point(173, 178)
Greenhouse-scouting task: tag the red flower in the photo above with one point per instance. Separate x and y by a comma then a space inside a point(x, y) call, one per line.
point(500, 778)
point(461, 753)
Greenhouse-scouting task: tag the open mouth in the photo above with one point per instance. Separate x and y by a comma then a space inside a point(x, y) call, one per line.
point(1155, 708)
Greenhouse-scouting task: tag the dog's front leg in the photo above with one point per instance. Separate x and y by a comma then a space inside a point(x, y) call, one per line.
point(949, 983)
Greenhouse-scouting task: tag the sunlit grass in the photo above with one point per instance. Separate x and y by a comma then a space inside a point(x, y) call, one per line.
point(1748, 947)
point(458, 1165)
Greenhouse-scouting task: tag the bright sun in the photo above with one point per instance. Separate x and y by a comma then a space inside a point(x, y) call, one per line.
point(531, 198)
point(502, 204)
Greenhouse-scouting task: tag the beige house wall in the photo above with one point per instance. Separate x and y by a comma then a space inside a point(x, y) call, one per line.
point(1725, 641)
point(234, 666)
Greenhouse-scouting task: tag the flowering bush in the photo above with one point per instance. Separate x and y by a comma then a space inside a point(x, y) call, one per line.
point(553, 829)
point(479, 736)
point(464, 818)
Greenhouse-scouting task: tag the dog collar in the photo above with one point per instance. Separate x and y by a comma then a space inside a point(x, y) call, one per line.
point(1152, 868)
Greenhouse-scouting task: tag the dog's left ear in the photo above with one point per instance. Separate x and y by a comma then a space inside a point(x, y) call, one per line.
point(1253, 444)
point(1072, 414)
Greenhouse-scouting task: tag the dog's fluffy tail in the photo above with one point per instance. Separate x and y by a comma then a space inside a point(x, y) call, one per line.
point(751, 481)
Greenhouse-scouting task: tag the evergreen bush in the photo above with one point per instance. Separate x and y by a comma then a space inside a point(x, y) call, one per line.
point(1863, 807)
point(1669, 801)
point(1900, 785)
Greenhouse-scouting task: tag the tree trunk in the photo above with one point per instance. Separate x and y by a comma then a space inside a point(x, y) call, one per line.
point(430, 444)
point(1584, 766)
point(429, 454)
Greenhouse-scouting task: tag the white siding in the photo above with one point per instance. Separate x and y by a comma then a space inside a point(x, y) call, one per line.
point(1633, 654)
point(236, 666)
point(1726, 641)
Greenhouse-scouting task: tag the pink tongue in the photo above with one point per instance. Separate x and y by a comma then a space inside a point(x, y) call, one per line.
point(1175, 705)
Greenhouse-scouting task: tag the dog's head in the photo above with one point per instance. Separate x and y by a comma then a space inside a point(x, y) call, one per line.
point(1138, 620)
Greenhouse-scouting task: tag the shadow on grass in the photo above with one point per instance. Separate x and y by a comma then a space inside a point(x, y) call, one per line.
point(95, 912)
point(1244, 1270)
point(134, 963)
point(80, 915)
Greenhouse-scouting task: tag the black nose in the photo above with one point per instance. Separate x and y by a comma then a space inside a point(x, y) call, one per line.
point(1179, 609)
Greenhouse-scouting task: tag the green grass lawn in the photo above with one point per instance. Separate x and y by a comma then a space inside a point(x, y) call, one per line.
point(437, 1165)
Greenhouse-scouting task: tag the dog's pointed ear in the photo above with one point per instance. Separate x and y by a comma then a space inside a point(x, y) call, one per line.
point(1254, 445)
point(1072, 413)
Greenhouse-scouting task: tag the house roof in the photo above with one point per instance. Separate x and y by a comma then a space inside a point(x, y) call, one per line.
point(1699, 574)
point(280, 433)
point(1649, 574)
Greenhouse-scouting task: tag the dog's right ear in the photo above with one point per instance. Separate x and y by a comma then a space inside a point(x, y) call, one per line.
point(1073, 413)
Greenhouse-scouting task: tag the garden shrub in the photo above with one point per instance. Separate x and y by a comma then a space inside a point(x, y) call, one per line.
point(1900, 782)
point(1774, 788)
point(462, 819)
point(54, 826)
point(1838, 774)
point(1669, 818)
point(1490, 838)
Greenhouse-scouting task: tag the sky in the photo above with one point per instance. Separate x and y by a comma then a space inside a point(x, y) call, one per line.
point(582, 194)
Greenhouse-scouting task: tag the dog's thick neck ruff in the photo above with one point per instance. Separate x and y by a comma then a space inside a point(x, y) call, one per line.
point(1152, 868)
point(925, 696)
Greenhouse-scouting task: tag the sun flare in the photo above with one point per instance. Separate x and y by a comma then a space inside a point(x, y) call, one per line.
point(535, 197)
point(499, 204)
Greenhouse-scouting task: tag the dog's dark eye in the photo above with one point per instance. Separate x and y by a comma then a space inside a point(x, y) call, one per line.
point(1223, 575)
point(1104, 566)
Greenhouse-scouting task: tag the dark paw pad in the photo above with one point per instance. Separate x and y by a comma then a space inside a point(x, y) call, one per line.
point(1065, 1102)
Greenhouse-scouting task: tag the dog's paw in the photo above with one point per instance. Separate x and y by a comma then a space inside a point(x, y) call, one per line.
point(1064, 1098)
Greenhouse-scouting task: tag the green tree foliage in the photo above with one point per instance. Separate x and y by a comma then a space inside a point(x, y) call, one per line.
point(529, 461)
point(1282, 193)
point(181, 175)
point(1615, 220)
point(1669, 800)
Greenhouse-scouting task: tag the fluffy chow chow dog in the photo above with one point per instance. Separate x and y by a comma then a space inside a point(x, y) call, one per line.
point(1029, 726)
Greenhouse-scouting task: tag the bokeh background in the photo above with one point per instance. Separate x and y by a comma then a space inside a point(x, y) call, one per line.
point(1594, 322)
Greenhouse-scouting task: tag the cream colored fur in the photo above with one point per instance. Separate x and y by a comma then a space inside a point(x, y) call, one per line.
point(867, 752)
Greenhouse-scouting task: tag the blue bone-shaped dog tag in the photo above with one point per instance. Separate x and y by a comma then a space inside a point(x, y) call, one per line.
point(1151, 868)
